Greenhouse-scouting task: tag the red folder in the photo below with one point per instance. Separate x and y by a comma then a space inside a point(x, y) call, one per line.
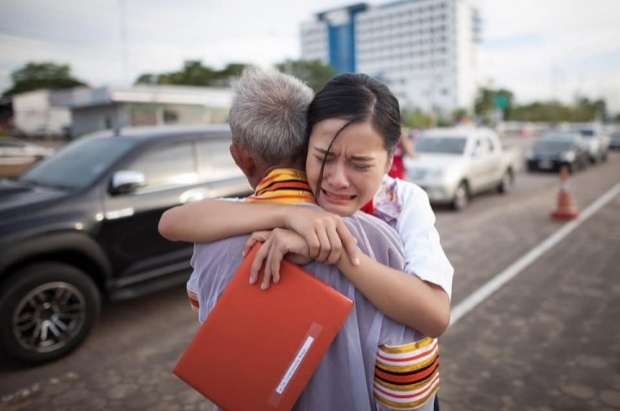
point(258, 349)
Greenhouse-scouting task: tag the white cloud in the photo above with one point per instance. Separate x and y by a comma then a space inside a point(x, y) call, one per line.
point(553, 49)
point(539, 49)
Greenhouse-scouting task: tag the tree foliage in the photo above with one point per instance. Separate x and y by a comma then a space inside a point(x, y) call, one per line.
point(46, 75)
point(582, 110)
point(313, 72)
point(416, 119)
point(490, 102)
point(194, 73)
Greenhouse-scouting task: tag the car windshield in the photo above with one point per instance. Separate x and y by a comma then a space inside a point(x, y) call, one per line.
point(553, 145)
point(443, 145)
point(587, 133)
point(78, 164)
point(11, 143)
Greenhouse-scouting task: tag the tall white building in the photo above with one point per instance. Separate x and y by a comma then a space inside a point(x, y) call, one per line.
point(424, 50)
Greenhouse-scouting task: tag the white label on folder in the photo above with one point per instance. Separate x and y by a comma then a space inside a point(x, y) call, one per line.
point(295, 364)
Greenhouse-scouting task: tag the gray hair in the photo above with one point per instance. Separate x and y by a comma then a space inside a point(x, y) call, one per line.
point(269, 115)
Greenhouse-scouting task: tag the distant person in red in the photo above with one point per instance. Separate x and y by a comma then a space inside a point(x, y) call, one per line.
point(403, 148)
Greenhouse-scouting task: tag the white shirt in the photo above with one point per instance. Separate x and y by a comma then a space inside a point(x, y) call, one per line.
point(415, 225)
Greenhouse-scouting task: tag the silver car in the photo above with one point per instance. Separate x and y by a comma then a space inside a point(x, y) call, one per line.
point(596, 140)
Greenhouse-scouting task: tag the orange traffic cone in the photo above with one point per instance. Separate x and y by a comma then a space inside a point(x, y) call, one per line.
point(565, 210)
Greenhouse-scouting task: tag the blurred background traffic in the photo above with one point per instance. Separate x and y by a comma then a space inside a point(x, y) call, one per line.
point(121, 64)
point(114, 112)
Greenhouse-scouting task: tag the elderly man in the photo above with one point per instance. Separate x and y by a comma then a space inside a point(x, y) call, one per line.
point(268, 122)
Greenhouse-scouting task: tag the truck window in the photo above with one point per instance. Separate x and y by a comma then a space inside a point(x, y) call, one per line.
point(216, 161)
point(79, 164)
point(481, 148)
point(167, 166)
point(491, 144)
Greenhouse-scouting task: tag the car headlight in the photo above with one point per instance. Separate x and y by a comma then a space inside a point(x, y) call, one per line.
point(569, 156)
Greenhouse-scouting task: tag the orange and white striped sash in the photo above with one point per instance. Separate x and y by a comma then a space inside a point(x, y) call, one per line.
point(284, 186)
point(193, 301)
point(407, 376)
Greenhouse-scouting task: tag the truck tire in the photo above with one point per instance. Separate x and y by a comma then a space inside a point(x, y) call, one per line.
point(505, 184)
point(46, 311)
point(461, 197)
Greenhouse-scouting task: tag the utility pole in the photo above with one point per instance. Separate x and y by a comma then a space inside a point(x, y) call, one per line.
point(123, 33)
point(433, 113)
point(554, 83)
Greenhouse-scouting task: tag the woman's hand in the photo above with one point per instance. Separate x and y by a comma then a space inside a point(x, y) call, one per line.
point(277, 244)
point(326, 235)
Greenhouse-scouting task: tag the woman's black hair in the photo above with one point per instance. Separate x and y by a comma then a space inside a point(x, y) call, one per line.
point(357, 98)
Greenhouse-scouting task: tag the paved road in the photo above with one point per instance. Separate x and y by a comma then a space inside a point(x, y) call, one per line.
point(546, 341)
point(550, 339)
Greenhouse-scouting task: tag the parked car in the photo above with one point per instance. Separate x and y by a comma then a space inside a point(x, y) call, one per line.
point(558, 149)
point(81, 227)
point(615, 140)
point(597, 141)
point(452, 164)
point(17, 155)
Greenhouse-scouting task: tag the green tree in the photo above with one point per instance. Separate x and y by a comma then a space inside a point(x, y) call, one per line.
point(489, 101)
point(460, 116)
point(194, 73)
point(586, 110)
point(313, 72)
point(231, 71)
point(554, 112)
point(416, 119)
point(36, 76)
point(147, 78)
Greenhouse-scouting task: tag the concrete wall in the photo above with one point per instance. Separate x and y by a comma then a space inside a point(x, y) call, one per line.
point(116, 115)
point(34, 116)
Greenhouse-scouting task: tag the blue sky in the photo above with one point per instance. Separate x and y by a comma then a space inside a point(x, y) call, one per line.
point(539, 49)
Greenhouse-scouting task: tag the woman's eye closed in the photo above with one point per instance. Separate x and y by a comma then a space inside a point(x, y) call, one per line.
point(361, 167)
point(323, 159)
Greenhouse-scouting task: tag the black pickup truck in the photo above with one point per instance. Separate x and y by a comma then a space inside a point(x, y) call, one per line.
point(80, 228)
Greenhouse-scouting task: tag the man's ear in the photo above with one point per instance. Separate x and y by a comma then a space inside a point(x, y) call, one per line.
point(243, 159)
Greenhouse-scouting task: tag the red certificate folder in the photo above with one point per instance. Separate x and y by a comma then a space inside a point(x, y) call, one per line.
point(258, 349)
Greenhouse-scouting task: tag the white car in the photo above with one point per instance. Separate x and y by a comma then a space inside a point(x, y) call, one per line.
point(452, 164)
point(16, 156)
point(597, 141)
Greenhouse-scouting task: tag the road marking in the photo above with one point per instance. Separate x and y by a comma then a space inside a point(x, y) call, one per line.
point(484, 292)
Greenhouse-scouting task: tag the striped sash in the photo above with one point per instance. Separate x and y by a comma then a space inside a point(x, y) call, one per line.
point(285, 186)
point(193, 301)
point(407, 376)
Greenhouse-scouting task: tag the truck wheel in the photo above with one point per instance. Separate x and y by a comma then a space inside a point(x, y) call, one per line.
point(604, 156)
point(505, 183)
point(461, 197)
point(46, 311)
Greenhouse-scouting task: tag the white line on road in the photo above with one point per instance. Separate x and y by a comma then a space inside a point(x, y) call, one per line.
point(484, 292)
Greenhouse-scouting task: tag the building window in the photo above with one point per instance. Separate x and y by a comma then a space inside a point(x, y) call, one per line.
point(170, 116)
